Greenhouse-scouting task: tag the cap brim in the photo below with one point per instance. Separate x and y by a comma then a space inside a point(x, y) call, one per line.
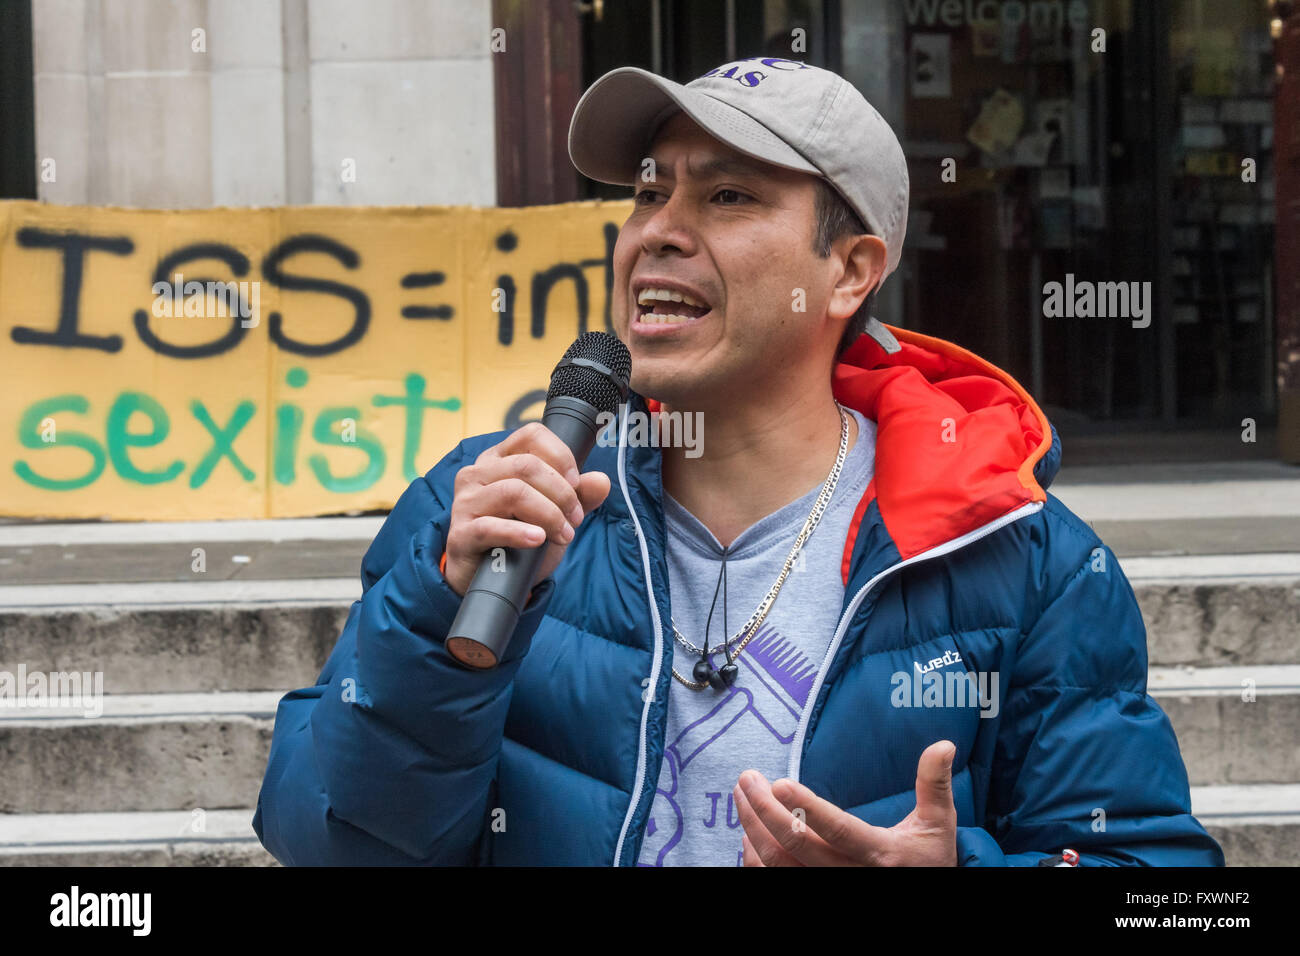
point(616, 118)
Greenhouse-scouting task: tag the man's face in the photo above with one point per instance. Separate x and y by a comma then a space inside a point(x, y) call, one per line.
point(735, 236)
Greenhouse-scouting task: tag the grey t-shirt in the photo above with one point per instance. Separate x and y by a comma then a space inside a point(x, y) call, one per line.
point(713, 736)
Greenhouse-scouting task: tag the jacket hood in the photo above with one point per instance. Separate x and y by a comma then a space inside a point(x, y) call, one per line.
point(959, 442)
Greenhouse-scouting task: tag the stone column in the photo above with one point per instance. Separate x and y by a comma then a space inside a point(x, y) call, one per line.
point(195, 103)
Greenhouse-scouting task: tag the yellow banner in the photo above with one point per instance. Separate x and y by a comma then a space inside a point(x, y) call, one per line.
point(232, 363)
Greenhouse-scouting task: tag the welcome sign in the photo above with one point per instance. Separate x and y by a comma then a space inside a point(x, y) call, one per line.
point(229, 363)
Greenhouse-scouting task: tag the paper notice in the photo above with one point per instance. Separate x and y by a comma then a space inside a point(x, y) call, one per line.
point(999, 123)
point(931, 65)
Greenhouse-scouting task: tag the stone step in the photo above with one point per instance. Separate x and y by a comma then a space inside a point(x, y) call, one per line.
point(1256, 825)
point(1189, 492)
point(267, 634)
point(171, 838)
point(164, 638)
point(141, 752)
point(209, 751)
point(1235, 725)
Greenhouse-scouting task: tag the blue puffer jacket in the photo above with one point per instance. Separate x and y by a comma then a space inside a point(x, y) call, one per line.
point(956, 554)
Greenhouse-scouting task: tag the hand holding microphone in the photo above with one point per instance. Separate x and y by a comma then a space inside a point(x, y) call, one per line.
point(515, 510)
point(518, 494)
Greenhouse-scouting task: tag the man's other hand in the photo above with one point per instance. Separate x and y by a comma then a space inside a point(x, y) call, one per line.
point(786, 824)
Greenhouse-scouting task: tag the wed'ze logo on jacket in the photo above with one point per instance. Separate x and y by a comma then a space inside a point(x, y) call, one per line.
point(949, 657)
point(925, 687)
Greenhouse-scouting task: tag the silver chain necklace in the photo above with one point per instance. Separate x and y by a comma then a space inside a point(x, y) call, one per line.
point(724, 678)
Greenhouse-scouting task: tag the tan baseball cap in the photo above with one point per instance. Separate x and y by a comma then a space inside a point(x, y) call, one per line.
point(784, 112)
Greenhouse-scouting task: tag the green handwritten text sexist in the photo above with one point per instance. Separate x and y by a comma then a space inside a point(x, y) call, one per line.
point(120, 439)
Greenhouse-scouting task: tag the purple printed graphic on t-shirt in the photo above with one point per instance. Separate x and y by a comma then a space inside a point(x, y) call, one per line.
point(713, 736)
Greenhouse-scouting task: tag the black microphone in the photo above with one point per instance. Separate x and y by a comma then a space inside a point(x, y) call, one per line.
point(591, 380)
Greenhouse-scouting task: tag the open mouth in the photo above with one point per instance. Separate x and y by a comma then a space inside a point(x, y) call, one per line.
point(659, 306)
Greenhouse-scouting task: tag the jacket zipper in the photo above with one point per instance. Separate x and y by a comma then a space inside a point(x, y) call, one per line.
point(796, 746)
point(644, 741)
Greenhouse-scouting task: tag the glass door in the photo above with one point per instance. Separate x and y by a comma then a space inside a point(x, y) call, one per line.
point(1092, 183)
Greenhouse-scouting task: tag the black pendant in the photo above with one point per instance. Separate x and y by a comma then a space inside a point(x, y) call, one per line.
point(703, 672)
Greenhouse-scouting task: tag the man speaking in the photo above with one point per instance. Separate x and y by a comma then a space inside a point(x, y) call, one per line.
point(850, 628)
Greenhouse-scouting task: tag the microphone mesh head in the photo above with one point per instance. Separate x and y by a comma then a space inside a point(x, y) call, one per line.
point(589, 384)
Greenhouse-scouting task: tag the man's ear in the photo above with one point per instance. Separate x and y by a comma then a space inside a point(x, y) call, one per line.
point(864, 269)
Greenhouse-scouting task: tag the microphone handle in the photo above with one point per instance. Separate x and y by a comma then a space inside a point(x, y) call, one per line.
point(499, 590)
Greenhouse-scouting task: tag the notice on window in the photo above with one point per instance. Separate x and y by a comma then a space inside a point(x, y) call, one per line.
point(931, 65)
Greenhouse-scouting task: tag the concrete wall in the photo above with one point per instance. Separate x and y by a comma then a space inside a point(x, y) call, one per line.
point(340, 102)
